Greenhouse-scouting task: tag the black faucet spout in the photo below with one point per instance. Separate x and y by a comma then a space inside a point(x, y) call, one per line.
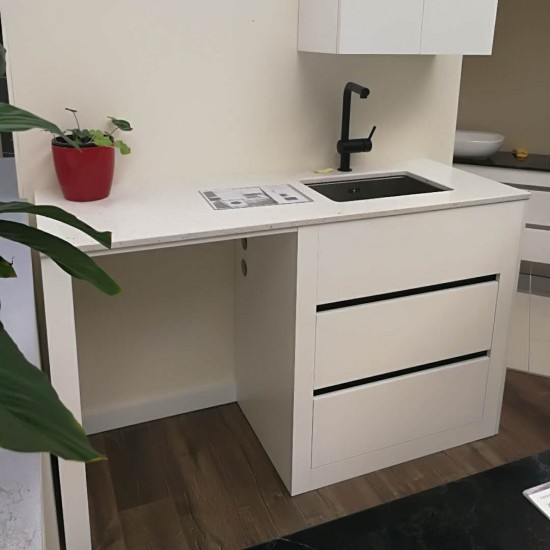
point(345, 145)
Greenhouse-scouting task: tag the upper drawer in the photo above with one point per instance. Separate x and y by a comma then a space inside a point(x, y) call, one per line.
point(367, 340)
point(369, 257)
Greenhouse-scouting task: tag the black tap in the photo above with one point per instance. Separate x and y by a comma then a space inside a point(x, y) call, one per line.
point(347, 146)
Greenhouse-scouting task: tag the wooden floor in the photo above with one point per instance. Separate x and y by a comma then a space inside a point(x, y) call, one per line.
point(202, 480)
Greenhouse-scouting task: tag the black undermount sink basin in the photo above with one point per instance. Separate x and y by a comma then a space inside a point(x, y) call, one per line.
point(373, 188)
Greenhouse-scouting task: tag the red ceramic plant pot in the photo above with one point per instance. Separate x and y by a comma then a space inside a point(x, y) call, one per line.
point(84, 174)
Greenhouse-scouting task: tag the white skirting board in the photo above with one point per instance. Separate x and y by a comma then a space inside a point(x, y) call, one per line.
point(160, 406)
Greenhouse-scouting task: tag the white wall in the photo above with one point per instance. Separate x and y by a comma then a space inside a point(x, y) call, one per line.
point(165, 344)
point(508, 91)
point(211, 87)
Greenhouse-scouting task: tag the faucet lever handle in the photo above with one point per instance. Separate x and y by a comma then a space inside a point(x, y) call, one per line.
point(372, 132)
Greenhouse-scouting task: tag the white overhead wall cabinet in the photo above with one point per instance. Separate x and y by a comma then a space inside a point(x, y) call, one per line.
point(429, 27)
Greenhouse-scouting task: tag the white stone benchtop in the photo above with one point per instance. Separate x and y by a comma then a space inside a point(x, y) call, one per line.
point(168, 213)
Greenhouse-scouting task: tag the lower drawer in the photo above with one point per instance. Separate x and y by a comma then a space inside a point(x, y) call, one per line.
point(356, 421)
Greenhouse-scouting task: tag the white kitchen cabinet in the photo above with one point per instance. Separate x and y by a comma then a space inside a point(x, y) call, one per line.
point(379, 341)
point(459, 27)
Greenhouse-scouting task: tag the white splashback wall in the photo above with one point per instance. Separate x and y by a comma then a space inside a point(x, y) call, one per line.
point(214, 87)
point(211, 87)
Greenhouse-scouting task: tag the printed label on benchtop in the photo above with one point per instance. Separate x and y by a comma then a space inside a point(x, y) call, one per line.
point(248, 197)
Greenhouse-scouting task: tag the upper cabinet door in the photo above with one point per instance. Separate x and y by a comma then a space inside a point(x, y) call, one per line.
point(380, 27)
point(464, 27)
point(461, 27)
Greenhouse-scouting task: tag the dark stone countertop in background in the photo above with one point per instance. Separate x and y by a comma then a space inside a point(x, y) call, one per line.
point(486, 511)
point(507, 160)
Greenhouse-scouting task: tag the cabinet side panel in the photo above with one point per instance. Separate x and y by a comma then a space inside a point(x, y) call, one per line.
point(318, 26)
point(265, 342)
point(508, 282)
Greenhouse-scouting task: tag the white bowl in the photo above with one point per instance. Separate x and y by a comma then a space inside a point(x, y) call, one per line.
point(477, 144)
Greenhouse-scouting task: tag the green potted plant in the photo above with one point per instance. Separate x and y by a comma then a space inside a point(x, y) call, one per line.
point(32, 417)
point(84, 160)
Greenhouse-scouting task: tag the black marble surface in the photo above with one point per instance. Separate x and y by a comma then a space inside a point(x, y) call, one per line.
point(507, 160)
point(482, 512)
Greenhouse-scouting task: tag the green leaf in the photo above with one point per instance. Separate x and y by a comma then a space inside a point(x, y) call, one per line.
point(14, 119)
point(58, 214)
point(122, 147)
point(6, 269)
point(103, 141)
point(81, 136)
point(2, 60)
point(123, 125)
point(65, 255)
point(32, 417)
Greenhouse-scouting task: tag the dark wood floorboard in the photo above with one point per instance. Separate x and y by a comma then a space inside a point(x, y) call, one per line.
point(202, 481)
point(104, 515)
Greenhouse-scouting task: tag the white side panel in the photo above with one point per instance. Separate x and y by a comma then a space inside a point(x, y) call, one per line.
point(374, 27)
point(318, 26)
point(538, 357)
point(518, 345)
point(265, 342)
point(461, 27)
point(538, 208)
point(62, 352)
point(535, 245)
point(367, 340)
point(364, 419)
point(513, 217)
point(539, 362)
point(365, 258)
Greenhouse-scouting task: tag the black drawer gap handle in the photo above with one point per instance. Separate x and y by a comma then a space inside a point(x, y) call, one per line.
point(402, 372)
point(404, 293)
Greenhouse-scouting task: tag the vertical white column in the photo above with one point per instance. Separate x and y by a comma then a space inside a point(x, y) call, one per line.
point(62, 351)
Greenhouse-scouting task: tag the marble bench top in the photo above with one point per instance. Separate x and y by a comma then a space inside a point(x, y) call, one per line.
point(168, 213)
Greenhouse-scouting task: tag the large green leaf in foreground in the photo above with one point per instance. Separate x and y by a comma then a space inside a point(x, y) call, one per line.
point(14, 119)
point(32, 418)
point(58, 214)
point(65, 255)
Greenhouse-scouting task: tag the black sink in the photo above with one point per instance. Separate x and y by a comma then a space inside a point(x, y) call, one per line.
point(373, 188)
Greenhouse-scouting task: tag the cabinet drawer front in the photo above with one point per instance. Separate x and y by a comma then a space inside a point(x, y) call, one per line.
point(356, 421)
point(377, 256)
point(357, 342)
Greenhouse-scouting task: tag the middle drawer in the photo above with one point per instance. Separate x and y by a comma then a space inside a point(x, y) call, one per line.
point(367, 340)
